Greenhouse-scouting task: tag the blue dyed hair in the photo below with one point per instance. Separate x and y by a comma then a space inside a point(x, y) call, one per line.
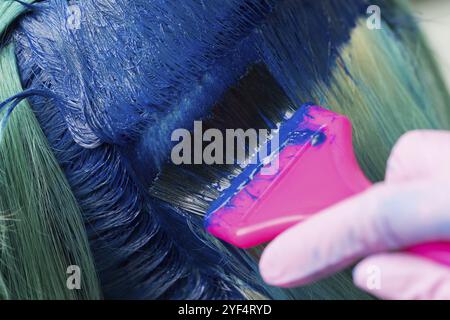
point(131, 73)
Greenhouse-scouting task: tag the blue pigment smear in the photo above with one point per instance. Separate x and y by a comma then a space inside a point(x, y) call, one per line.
point(294, 131)
point(134, 71)
point(152, 149)
point(288, 43)
point(132, 62)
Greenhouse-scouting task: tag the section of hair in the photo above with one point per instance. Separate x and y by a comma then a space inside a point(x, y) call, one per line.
point(387, 82)
point(42, 228)
point(121, 98)
point(143, 248)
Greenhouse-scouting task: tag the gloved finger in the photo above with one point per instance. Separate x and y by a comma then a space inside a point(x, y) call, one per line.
point(384, 217)
point(402, 276)
point(420, 154)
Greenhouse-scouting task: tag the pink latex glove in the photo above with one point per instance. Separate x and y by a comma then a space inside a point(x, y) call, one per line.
point(411, 206)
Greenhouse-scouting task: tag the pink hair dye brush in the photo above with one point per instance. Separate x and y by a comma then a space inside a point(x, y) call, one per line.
point(316, 169)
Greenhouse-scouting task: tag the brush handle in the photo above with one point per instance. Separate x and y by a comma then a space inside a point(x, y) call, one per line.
point(436, 251)
point(353, 177)
point(311, 177)
point(348, 167)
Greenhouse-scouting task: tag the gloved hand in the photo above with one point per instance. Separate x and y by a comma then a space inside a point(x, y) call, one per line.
point(411, 206)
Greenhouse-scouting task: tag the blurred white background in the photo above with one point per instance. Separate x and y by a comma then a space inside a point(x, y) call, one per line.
point(434, 17)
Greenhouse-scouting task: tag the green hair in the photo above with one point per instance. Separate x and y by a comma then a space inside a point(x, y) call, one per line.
point(42, 231)
point(386, 87)
point(9, 11)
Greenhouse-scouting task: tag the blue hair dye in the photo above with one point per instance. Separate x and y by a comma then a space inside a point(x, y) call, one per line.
point(133, 72)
